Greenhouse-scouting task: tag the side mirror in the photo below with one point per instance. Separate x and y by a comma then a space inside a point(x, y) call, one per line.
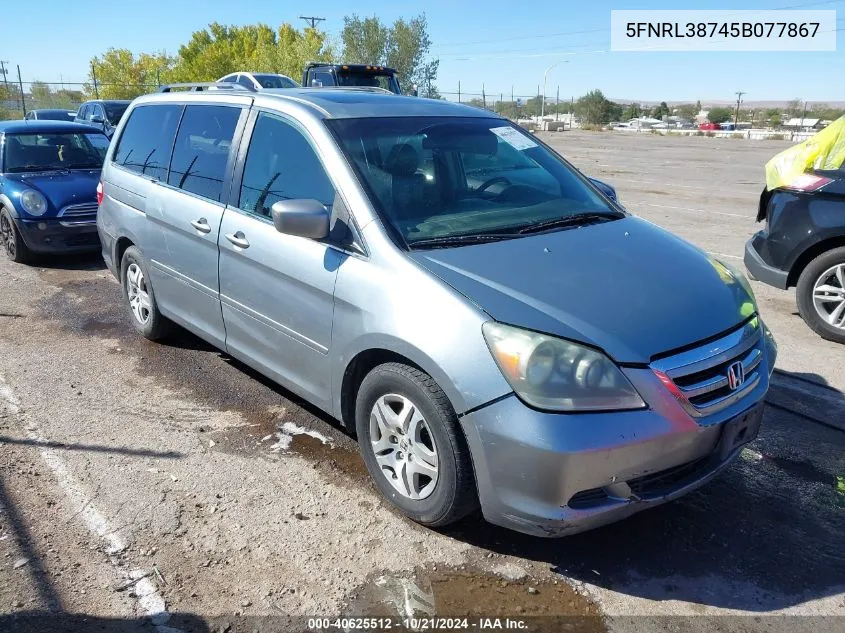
point(303, 218)
point(605, 188)
point(97, 119)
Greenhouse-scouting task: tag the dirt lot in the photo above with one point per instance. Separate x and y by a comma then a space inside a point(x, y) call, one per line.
point(164, 487)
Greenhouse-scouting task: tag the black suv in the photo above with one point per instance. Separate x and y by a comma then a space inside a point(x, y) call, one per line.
point(104, 114)
point(803, 245)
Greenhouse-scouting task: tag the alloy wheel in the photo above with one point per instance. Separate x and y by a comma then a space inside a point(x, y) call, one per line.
point(7, 236)
point(137, 293)
point(404, 446)
point(829, 296)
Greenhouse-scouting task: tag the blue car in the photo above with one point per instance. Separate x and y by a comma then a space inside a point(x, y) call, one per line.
point(49, 172)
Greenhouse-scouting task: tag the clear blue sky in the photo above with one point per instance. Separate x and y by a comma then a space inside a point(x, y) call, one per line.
point(501, 44)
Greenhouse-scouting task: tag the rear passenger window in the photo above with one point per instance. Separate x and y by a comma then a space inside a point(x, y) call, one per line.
point(202, 149)
point(147, 140)
point(281, 165)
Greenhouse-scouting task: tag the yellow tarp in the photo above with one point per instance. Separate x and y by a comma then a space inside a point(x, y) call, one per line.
point(825, 150)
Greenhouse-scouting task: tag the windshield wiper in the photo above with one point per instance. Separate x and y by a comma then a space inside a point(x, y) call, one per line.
point(578, 219)
point(461, 240)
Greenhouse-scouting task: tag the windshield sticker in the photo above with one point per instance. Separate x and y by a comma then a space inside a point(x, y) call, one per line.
point(513, 138)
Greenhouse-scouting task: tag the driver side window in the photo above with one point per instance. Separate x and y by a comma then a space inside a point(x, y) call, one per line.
point(281, 164)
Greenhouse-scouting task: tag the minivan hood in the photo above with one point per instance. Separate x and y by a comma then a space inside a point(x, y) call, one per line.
point(79, 186)
point(627, 287)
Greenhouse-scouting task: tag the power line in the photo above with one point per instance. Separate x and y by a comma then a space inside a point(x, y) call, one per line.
point(314, 21)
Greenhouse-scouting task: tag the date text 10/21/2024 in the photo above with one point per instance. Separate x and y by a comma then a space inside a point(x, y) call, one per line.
point(416, 624)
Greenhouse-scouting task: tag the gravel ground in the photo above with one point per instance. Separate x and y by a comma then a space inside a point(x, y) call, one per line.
point(137, 477)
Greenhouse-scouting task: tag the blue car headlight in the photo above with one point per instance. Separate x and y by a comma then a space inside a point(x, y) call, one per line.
point(33, 202)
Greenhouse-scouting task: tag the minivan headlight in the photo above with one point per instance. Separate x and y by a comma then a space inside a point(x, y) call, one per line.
point(33, 202)
point(551, 373)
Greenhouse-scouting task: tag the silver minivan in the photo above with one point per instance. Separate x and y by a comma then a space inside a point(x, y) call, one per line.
point(495, 328)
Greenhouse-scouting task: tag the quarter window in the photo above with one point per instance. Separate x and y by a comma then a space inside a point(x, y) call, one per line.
point(202, 150)
point(281, 165)
point(147, 140)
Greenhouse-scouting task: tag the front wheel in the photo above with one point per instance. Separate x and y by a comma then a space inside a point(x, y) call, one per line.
point(11, 241)
point(412, 446)
point(821, 295)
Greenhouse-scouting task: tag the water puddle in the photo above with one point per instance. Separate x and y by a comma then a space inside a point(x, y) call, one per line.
point(481, 597)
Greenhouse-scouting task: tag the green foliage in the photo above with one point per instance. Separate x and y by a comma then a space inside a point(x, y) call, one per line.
point(42, 96)
point(719, 115)
point(631, 111)
point(404, 46)
point(122, 75)
point(688, 110)
point(594, 108)
point(795, 108)
point(659, 111)
point(220, 50)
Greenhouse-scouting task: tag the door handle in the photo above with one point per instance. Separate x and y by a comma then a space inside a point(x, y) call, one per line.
point(238, 239)
point(201, 225)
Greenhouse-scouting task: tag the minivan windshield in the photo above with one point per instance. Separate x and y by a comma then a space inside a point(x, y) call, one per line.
point(452, 180)
point(51, 151)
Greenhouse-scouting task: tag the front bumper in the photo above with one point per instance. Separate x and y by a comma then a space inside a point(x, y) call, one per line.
point(552, 475)
point(757, 266)
point(52, 235)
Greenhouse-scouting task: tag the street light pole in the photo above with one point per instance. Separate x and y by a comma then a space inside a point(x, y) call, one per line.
point(545, 76)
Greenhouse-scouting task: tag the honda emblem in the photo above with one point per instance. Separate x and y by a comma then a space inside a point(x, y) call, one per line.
point(736, 375)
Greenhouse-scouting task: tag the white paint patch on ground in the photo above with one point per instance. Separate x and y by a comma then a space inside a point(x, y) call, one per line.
point(150, 601)
point(286, 432)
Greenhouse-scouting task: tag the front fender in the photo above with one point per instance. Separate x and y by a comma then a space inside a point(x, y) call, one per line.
point(7, 203)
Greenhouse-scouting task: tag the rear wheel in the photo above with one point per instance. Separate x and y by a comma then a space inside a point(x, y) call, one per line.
point(412, 446)
point(140, 298)
point(821, 295)
point(11, 241)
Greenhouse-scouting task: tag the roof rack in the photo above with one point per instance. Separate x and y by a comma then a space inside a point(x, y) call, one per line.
point(375, 89)
point(205, 85)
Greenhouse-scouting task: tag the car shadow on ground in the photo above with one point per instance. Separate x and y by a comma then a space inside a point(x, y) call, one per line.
point(765, 535)
point(82, 261)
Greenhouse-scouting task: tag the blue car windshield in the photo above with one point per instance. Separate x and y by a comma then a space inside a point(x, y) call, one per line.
point(48, 151)
point(448, 177)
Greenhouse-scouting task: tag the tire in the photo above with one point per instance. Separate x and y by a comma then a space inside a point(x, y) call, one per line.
point(143, 310)
point(11, 242)
point(822, 271)
point(439, 501)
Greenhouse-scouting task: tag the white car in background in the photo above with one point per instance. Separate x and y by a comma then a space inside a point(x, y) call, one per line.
point(260, 81)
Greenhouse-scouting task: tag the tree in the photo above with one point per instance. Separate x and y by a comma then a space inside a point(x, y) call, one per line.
point(122, 75)
point(659, 111)
point(795, 108)
point(688, 110)
point(220, 50)
point(403, 46)
point(594, 108)
point(719, 115)
point(631, 111)
point(41, 93)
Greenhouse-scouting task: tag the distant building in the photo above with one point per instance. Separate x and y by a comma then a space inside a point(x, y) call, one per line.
point(803, 124)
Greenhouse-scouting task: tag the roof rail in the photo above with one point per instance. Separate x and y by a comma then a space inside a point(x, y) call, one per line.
point(205, 85)
point(375, 89)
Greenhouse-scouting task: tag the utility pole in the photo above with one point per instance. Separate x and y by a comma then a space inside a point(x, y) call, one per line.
point(459, 90)
point(557, 105)
point(312, 20)
point(571, 112)
point(5, 81)
point(739, 94)
point(483, 97)
point(20, 85)
point(94, 77)
point(804, 116)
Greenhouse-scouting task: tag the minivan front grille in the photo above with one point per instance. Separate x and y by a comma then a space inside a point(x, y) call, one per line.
point(712, 377)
